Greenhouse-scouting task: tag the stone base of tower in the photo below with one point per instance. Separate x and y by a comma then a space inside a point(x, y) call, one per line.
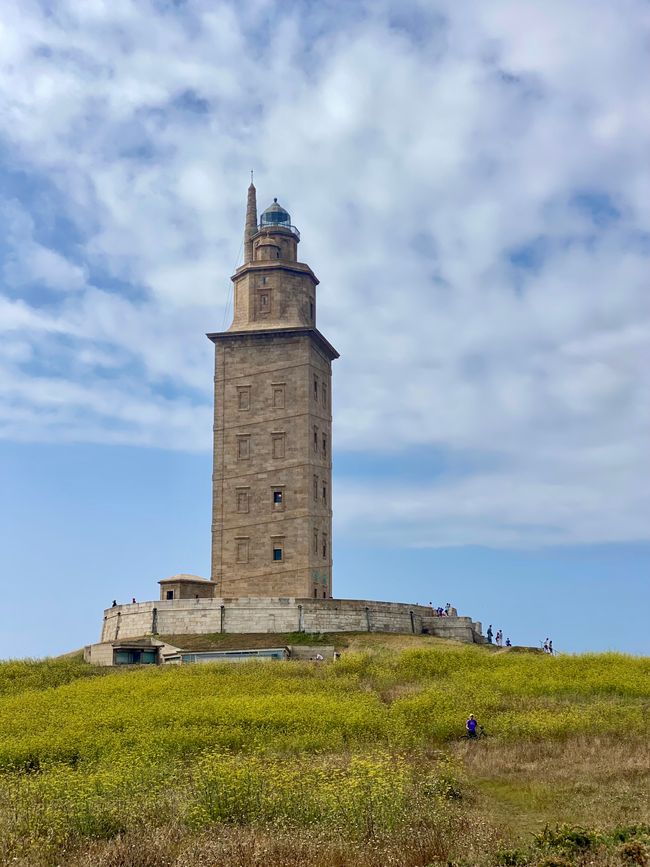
point(197, 616)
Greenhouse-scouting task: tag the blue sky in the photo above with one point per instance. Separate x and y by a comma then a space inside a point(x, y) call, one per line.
point(472, 187)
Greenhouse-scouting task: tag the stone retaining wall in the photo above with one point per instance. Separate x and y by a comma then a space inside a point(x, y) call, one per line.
point(200, 616)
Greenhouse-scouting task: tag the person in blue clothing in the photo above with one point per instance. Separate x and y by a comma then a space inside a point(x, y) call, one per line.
point(471, 725)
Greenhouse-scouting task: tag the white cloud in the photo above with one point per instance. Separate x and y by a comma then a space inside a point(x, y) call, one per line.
point(419, 147)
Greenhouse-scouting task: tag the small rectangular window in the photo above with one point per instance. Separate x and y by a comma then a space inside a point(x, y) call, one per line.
point(311, 311)
point(278, 396)
point(324, 494)
point(169, 594)
point(277, 553)
point(315, 592)
point(324, 445)
point(242, 501)
point(324, 393)
point(315, 388)
point(277, 441)
point(315, 439)
point(277, 498)
point(314, 547)
point(324, 546)
point(315, 489)
point(243, 447)
point(241, 550)
point(244, 397)
point(265, 302)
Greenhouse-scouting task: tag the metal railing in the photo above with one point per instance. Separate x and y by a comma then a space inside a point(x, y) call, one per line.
point(276, 226)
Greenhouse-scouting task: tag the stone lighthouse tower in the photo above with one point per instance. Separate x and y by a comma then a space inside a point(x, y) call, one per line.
point(272, 471)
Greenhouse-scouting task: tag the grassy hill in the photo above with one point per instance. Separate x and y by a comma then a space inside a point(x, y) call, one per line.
point(357, 762)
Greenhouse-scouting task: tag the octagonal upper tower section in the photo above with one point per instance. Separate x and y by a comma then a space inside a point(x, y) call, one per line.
point(272, 289)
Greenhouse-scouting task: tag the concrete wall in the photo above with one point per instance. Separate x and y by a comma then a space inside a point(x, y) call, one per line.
point(99, 654)
point(280, 614)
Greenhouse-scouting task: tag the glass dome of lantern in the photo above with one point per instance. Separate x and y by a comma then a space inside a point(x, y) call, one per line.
point(275, 217)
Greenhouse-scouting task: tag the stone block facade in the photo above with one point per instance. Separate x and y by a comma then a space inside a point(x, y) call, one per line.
point(272, 460)
point(272, 514)
point(280, 614)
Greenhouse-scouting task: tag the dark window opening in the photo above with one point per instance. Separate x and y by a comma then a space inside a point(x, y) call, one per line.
point(324, 445)
point(324, 495)
point(277, 554)
point(169, 594)
point(324, 595)
point(315, 593)
point(277, 498)
point(316, 387)
point(135, 657)
point(311, 310)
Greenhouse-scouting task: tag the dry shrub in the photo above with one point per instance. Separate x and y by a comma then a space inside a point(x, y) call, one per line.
point(153, 847)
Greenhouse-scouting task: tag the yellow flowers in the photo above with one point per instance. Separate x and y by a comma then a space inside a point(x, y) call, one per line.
point(87, 753)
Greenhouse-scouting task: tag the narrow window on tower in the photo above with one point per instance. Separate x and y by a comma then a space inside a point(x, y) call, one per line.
point(315, 489)
point(243, 447)
point(278, 445)
point(314, 547)
point(315, 592)
point(278, 395)
point(315, 388)
point(277, 548)
point(242, 500)
point(324, 445)
point(278, 499)
point(324, 494)
point(324, 594)
point(265, 302)
point(241, 549)
point(315, 439)
point(244, 397)
point(311, 311)
point(324, 546)
point(324, 392)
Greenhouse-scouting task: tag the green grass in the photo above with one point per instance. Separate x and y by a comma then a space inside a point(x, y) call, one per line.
point(367, 746)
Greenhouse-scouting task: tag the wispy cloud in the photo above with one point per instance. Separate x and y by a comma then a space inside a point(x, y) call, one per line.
point(474, 193)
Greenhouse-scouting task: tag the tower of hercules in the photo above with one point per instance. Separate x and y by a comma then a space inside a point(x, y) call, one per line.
point(272, 471)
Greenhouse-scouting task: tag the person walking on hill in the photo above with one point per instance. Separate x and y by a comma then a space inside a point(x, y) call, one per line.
point(471, 725)
point(508, 643)
point(489, 634)
point(550, 647)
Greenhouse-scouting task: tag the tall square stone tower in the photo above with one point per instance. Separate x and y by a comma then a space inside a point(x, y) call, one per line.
point(272, 470)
